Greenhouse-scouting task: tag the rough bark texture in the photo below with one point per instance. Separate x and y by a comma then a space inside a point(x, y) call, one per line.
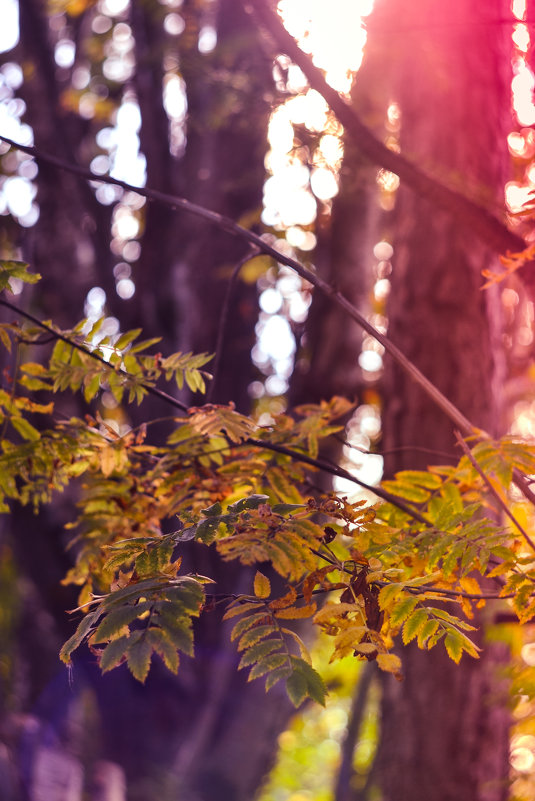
point(445, 729)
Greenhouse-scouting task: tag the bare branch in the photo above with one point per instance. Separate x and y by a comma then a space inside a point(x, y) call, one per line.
point(83, 349)
point(224, 319)
point(335, 470)
point(226, 224)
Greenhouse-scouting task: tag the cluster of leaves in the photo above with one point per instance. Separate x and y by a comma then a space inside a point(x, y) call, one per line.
point(127, 373)
point(222, 481)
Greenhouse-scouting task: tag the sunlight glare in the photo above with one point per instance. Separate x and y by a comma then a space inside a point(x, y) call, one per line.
point(65, 53)
point(9, 29)
point(518, 7)
point(516, 195)
point(275, 337)
point(323, 183)
point(521, 37)
point(128, 163)
point(522, 87)
point(337, 48)
point(114, 8)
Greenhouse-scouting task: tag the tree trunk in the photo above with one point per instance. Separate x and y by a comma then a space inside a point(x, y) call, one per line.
point(444, 730)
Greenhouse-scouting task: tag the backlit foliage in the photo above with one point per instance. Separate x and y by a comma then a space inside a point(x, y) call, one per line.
point(409, 568)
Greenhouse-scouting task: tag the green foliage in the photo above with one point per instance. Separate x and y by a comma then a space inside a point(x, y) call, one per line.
point(139, 619)
point(265, 646)
point(15, 269)
point(410, 571)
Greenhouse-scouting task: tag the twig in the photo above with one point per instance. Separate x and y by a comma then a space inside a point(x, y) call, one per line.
point(522, 483)
point(295, 455)
point(411, 448)
point(493, 490)
point(83, 349)
point(224, 319)
point(226, 224)
point(335, 470)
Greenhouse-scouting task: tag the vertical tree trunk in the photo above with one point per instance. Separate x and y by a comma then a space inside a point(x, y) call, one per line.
point(444, 730)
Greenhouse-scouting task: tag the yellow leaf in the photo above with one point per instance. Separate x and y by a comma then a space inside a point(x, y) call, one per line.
point(107, 460)
point(296, 612)
point(285, 600)
point(470, 584)
point(390, 663)
point(262, 585)
point(365, 647)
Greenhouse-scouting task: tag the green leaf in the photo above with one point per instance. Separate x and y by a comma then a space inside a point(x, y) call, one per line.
point(428, 630)
point(115, 621)
point(252, 502)
point(246, 623)
point(258, 651)
point(126, 338)
point(419, 477)
point(414, 625)
point(240, 608)
point(287, 508)
point(262, 585)
point(297, 688)
point(276, 675)
point(388, 594)
point(454, 646)
point(402, 610)
point(315, 686)
point(407, 491)
point(177, 629)
point(266, 665)
point(138, 658)
point(254, 635)
point(114, 653)
point(15, 269)
point(25, 429)
point(79, 635)
point(213, 511)
point(91, 387)
point(144, 345)
point(164, 647)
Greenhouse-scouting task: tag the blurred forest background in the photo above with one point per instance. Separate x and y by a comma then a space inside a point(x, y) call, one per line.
point(199, 98)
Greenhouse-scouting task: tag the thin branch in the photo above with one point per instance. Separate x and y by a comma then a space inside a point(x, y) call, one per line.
point(522, 483)
point(224, 319)
point(335, 470)
point(295, 455)
point(410, 448)
point(464, 211)
point(493, 491)
point(83, 349)
point(453, 594)
point(226, 224)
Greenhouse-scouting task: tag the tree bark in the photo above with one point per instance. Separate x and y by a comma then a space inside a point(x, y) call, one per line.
point(445, 728)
